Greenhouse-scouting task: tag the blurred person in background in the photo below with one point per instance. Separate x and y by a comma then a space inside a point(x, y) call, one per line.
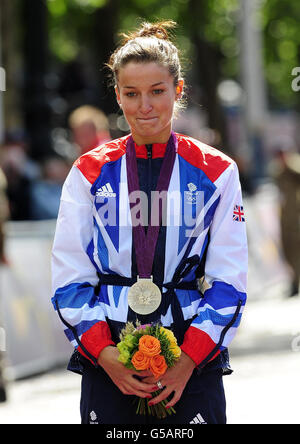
point(20, 172)
point(286, 171)
point(90, 128)
point(45, 191)
point(4, 215)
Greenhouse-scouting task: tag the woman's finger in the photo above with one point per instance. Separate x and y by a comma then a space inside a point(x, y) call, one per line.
point(142, 386)
point(175, 399)
point(163, 395)
point(143, 374)
point(150, 380)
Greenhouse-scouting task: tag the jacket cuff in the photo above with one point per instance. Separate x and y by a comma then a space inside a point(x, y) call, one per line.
point(95, 340)
point(197, 345)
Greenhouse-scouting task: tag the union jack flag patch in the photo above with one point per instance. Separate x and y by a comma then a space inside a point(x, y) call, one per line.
point(238, 214)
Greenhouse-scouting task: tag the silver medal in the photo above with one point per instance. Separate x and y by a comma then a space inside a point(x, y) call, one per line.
point(144, 297)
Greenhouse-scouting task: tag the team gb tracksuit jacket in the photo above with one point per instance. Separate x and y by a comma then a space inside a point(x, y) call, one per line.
point(94, 244)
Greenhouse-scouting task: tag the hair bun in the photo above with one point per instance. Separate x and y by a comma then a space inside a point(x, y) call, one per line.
point(160, 30)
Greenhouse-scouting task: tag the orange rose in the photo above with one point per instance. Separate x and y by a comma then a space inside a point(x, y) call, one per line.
point(158, 365)
point(140, 361)
point(149, 345)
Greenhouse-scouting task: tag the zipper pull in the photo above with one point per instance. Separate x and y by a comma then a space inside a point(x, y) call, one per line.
point(149, 151)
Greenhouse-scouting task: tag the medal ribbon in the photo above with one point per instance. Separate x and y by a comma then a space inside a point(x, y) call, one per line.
point(145, 245)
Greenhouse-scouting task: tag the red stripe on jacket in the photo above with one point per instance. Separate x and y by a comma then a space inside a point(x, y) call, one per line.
point(198, 345)
point(96, 339)
point(210, 160)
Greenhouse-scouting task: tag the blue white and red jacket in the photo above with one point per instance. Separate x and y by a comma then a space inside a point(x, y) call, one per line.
point(94, 238)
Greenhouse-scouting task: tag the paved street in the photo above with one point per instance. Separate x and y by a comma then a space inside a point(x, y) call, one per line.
point(52, 398)
point(264, 387)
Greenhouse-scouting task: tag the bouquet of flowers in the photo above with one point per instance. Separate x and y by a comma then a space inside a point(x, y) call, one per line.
point(149, 347)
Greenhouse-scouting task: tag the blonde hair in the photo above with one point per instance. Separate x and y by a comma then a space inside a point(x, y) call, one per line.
point(89, 114)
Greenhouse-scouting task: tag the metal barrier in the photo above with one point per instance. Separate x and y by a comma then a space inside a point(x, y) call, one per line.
point(34, 338)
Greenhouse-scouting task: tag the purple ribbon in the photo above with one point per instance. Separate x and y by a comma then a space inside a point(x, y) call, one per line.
point(145, 245)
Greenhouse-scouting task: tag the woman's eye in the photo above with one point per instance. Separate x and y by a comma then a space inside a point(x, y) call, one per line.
point(130, 94)
point(158, 91)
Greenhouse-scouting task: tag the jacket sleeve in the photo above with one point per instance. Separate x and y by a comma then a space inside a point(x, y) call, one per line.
point(74, 276)
point(220, 309)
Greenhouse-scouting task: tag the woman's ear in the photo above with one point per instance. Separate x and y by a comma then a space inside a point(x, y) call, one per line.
point(118, 96)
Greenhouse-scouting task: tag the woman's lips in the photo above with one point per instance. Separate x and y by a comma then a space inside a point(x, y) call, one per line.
point(146, 119)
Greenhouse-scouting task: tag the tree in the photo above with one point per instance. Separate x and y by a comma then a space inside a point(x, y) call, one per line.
point(57, 33)
point(84, 31)
point(37, 112)
point(280, 21)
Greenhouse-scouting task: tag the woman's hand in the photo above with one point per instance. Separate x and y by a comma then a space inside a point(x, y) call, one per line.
point(174, 380)
point(124, 378)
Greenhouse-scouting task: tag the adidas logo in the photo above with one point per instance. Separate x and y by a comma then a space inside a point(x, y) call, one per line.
point(106, 191)
point(198, 420)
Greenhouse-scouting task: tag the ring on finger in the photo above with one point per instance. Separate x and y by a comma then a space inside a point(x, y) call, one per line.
point(159, 385)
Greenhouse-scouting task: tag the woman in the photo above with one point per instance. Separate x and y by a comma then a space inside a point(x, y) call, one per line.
point(100, 249)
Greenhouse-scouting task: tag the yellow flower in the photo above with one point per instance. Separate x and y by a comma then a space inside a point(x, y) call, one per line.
point(175, 350)
point(169, 334)
point(129, 341)
point(124, 357)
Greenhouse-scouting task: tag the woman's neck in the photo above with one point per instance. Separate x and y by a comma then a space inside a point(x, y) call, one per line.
point(163, 137)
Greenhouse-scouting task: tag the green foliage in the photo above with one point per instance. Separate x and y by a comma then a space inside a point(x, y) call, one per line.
point(165, 345)
point(69, 26)
point(60, 7)
point(281, 48)
point(215, 23)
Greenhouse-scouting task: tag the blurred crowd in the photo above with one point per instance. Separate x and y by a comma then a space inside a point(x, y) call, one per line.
point(286, 173)
point(33, 188)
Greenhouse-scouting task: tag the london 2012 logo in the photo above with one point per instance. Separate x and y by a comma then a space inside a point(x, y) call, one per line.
point(193, 193)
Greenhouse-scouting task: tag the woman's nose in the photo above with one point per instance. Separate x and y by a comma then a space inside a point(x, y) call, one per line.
point(145, 105)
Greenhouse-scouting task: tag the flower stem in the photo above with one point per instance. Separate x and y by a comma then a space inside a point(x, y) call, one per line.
point(159, 410)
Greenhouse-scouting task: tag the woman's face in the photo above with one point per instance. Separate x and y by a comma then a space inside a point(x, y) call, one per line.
point(147, 94)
